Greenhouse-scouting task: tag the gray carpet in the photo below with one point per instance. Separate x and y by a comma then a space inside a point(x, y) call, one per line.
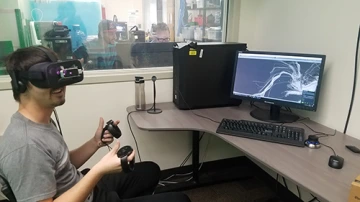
point(251, 190)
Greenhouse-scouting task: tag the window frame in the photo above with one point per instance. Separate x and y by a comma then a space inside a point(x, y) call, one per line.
point(127, 75)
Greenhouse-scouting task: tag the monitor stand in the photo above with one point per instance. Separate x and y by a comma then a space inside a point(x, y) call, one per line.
point(274, 115)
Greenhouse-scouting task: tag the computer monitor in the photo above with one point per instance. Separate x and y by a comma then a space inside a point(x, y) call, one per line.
point(279, 79)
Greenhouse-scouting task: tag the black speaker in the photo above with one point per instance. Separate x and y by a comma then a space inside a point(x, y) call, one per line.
point(202, 74)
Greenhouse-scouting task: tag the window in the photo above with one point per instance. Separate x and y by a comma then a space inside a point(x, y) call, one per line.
point(111, 34)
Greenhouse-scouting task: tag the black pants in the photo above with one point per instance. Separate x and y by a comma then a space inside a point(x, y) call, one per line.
point(137, 186)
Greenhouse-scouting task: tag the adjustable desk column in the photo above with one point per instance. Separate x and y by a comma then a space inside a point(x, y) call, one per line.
point(172, 119)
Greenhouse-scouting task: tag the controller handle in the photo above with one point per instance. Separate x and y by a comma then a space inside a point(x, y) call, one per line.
point(123, 154)
point(113, 129)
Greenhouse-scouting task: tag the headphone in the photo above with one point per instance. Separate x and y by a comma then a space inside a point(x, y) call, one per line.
point(313, 142)
point(18, 84)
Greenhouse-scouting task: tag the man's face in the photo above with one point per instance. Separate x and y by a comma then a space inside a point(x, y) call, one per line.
point(47, 98)
point(109, 36)
point(162, 36)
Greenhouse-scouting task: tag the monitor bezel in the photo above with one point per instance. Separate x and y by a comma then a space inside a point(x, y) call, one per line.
point(278, 102)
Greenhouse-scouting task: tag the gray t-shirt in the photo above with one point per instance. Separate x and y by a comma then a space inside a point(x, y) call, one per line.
point(35, 159)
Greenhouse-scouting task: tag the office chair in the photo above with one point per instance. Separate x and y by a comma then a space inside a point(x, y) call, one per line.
point(6, 190)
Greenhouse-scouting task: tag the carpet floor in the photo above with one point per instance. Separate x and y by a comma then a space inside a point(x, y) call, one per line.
point(250, 190)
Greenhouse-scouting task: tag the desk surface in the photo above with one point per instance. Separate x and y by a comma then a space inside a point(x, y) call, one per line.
point(304, 166)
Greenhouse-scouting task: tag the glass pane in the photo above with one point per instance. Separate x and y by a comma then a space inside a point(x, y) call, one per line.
point(111, 34)
point(200, 20)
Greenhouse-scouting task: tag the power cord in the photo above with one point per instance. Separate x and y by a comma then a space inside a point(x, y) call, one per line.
point(165, 181)
point(132, 133)
point(314, 198)
point(354, 83)
point(299, 193)
point(196, 113)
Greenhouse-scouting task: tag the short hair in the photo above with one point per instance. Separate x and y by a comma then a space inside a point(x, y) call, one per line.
point(24, 58)
point(161, 26)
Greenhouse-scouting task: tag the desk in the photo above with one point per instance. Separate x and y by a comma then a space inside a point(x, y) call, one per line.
point(306, 167)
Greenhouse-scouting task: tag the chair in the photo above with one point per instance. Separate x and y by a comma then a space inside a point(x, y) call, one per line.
point(6, 190)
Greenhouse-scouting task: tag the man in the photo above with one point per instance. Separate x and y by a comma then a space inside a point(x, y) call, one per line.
point(36, 161)
point(102, 51)
point(162, 33)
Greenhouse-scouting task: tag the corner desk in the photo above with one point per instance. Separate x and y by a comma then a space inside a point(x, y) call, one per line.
point(305, 167)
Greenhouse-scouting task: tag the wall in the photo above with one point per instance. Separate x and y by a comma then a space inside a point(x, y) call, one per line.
point(322, 26)
point(86, 103)
point(121, 9)
point(7, 12)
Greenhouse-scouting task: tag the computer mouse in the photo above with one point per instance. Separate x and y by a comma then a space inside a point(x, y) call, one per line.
point(336, 162)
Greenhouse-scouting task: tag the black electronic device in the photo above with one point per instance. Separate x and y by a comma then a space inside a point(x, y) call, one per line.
point(153, 109)
point(48, 74)
point(353, 148)
point(279, 79)
point(59, 40)
point(152, 54)
point(202, 74)
point(336, 161)
point(123, 154)
point(136, 35)
point(113, 129)
point(262, 131)
point(313, 142)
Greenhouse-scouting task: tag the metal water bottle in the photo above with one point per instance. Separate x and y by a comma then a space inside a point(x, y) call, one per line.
point(139, 93)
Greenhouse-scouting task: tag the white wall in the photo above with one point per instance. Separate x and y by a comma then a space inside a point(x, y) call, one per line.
point(7, 12)
point(86, 103)
point(121, 9)
point(321, 26)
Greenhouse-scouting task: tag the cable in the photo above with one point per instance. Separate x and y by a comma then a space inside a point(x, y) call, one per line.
point(354, 84)
point(330, 148)
point(132, 133)
point(285, 183)
point(314, 198)
point(277, 182)
point(194, 112)
point(299, 193)
point(58, 122)
point(318, 132)
point(185, 174)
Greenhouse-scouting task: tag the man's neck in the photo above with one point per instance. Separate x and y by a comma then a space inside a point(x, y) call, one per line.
point(36, 113)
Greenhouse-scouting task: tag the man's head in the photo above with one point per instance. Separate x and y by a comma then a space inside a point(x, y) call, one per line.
point(107, 31)
point(162, 32)
point(20, 61)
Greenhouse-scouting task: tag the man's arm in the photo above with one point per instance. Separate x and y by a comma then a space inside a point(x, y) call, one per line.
point(81, 190)
point(108, 164)
point(80, 155)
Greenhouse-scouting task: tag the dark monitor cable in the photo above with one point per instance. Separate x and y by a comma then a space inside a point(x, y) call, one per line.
point(354, 83)
point(196, 113)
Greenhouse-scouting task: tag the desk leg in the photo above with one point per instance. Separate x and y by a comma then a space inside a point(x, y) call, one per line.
point(195, 156)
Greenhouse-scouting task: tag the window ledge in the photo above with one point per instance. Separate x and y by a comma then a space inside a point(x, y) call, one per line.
point(110, 76)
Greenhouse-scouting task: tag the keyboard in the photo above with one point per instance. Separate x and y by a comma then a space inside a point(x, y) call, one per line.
point(263, 131)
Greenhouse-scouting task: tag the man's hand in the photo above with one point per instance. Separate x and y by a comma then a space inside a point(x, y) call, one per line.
point(111, 163)
point(107, 138)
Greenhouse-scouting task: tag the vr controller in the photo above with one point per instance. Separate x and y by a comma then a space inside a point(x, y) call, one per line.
point(124, 152)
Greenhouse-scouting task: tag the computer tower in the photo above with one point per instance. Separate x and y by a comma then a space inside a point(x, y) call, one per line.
point(202, 74)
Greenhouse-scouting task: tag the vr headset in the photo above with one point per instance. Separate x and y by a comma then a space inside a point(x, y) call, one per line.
point(49, 74)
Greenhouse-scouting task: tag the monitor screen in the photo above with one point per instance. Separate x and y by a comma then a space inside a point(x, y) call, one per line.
point(284, 79)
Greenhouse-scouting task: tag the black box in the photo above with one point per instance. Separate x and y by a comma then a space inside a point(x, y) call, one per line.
point(202, 74)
